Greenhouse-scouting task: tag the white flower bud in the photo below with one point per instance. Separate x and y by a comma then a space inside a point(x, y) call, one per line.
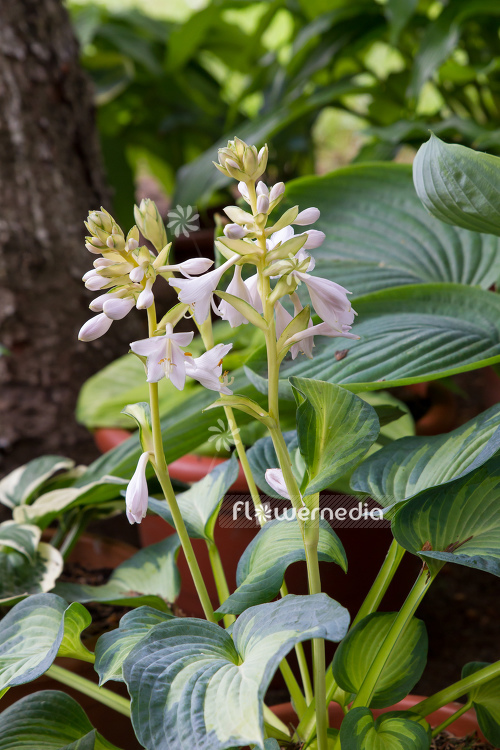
point(146, 297)
point(276, 191)
point(92, 249)
point(132, 244)
point(117, 308)
point(262, 189)
point(314, 239)
point(94, 283)
point(243, 188)
point(89, 274)
point(137, 274)
point(262, 204)
point(308, 216)
point(102, 262)
point(95, 327)
point(234, 231)
point(97, 304)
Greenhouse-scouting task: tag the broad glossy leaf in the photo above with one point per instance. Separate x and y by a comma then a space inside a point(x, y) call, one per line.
point(407, 466)
point(32, 634)
point(460, 521)
point(360, 647)
point(200, 504)
point(150, 577)
point(378, 234)
point(396, 730)
point(51, 720)
point(21, 537)
point(335, 429)
point(113, 648)
point(20, 485)
point(20, 576)
point(458, 185)
point(193, 685)
point(262, 457)
point(262, 566)
point(410, 334)
point(486, 701)
point(49, 506)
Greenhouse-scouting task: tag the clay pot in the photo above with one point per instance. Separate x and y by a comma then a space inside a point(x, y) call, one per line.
point(91, 552)
point(465, 725)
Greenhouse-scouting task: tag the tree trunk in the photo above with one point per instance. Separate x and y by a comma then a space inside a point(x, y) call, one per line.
point(50, 176)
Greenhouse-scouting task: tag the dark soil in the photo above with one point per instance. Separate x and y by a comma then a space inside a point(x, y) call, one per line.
point(446, 741)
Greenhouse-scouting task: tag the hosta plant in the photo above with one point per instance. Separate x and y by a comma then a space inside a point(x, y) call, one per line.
point(202, 682)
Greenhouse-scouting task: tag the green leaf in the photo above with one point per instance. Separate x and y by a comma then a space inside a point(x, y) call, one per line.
point(396, 730)
point(460, 521)
point(190, 679)
point(262, 457)
point(458, 185)
point(359, 648)
point(32, 634)
point(21, 485)
point(149, 577)
point(407, 466)
point(49, 506)
point(50, 720)
point(20, 576)
point(486, 701)
point(200, 504)
point(245, 308)
point(113, 648)
point(141, 413)
point(378, 234)
point(399, 13)
point(335, 429)
point(22, 537)
point(410, 334)
point(262, 566)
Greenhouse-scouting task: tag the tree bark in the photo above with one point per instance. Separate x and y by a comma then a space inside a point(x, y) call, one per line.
point(50, 176)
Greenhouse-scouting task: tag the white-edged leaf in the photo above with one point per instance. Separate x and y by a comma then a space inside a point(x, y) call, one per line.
point(150, 577)
point(20, 577)
point(22, 537)
point(262, 566)
point(200, 504)
point(20, 485)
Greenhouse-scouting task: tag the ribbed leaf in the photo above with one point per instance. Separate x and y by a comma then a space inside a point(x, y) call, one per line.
point(378, 235)
point(459, 186)
point(193, 685)
point(486, 701)
point(262, 566)
point(21, 537)
point(50, 720)
point(20, 576)
point(32, 634)
point(335, 429)
point(396, 730)
point(457, 522)
point(113, 648)
point(200, 504)
point(410, 334)
point(407, 466)
point(150, 577)
point(20, 485)
point(402, 671)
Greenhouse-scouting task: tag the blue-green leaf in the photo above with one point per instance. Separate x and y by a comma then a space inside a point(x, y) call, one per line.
point(193, 685)
point(21, 576)
point(263, 564)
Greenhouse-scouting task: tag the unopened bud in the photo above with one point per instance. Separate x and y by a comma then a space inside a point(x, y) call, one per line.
point(146, 297)
point(150, 223)
point(262, 204)
point(101, 224)
point(314, 239)
point(308, 216)
point(92, 248)
point(276, 191)
point(95, 327)
point(242, 187)
point(94, 283)
point(97, 304)
point(234, 231)
point(116, 309)
point(262, 188)
point(137, 274)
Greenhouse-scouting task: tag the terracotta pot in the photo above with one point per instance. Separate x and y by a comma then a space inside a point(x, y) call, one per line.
point(465, 725)
point(188, 469)
point(93, 553)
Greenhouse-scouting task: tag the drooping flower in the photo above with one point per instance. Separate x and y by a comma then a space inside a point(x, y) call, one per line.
point(192, 266)
point(136, 496)
point(197, 293)
point(165, 358)
point(238, 289)
point(329, 300)
point(321, 329)
point(283, 318)
point(207, 369)
point(274, 478)
point(252, 285)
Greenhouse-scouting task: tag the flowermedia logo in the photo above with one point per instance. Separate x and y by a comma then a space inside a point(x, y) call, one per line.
point(350, 513)
point(183, 220)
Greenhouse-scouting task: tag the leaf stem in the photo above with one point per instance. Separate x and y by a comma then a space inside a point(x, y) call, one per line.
point(76, 681)
point(457, 690)
point(446, 723)
point(161, 470)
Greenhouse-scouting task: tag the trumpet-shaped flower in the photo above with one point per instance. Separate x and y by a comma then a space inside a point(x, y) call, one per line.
point(197, 293)
point(207, 369)
point(321, 329)
point(238, 289)
point(252, 286)
point(136, 496)
point(329, 300)
point(164, 356)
